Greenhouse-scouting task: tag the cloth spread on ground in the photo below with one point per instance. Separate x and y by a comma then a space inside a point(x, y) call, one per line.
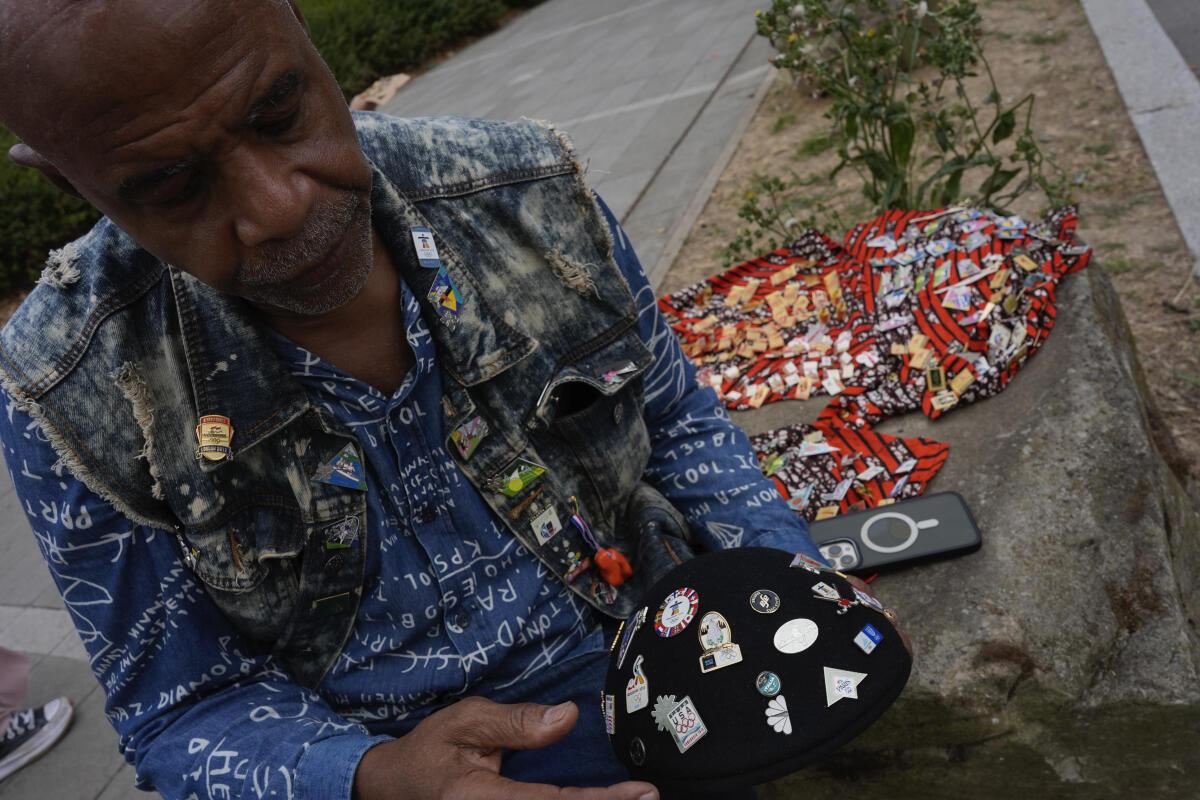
point(913, 310)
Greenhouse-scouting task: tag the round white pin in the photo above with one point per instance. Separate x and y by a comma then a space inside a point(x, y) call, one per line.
point(795, 635)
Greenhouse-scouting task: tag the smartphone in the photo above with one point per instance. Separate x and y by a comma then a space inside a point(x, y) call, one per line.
point(933, 526)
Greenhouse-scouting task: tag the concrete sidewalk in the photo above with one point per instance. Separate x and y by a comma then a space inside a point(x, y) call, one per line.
point(651, 93)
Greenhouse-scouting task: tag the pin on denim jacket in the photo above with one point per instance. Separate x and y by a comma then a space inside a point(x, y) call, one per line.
point(119, 355)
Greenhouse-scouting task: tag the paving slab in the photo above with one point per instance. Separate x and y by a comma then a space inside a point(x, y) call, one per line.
point(85, 761)
point(633, 84)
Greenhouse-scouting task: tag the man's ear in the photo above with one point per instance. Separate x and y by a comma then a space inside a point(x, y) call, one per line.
point(300, 17)
point(25, 156)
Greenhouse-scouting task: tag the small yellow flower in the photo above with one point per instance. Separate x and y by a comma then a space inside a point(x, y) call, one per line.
point(751, 196)
point(758, 12)
point(792, 37)
point(871, 33)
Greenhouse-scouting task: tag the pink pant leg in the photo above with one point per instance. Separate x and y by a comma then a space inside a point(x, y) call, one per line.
point(14, 682)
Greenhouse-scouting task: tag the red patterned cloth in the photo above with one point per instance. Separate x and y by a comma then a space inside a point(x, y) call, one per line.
point(914, 310)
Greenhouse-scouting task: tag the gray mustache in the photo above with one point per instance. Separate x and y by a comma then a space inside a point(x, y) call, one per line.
point(276, 262)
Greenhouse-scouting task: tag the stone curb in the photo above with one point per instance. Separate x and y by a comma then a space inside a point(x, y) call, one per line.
point(1163, 98)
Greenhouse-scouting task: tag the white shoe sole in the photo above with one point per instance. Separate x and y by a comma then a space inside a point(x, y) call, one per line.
point(42, 741)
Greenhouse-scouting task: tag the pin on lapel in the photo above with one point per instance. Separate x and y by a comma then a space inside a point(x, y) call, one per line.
point(214, 435)
point(344, 470)
point(427, 252)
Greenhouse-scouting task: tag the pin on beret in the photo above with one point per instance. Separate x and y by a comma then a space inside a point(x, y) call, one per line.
point(742, 666)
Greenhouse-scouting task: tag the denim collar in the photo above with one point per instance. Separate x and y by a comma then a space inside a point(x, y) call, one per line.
point(235, 372)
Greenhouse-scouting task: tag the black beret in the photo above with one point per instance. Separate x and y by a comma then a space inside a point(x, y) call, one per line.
point(742, 666)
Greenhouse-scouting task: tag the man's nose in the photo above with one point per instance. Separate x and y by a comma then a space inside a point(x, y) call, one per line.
point(271, 199)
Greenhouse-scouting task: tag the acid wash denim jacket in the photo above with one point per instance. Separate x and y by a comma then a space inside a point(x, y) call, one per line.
point(117, 355)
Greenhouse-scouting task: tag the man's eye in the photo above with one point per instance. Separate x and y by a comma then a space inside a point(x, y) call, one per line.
point(279, 127)
point(188, 192)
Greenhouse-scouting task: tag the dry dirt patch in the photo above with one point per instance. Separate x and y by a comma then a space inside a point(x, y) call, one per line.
point(1047, 48)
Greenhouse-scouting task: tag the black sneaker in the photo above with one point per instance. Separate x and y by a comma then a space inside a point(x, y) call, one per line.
point(31, 732)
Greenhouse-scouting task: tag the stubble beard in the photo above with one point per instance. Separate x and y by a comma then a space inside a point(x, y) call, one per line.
point(263, 281)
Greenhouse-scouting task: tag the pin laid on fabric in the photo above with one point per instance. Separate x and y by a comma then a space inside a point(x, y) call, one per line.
point(868, 639)
point(795, 635)
point(777, 715)
point(676, 612)
point(807, 562)
point(716, 638)
point(344, 470)
point(628, 632)
point(764, 601)
point(841, 683)
point(680, 719)
point(214, 435)
point(637, 751)
point(843, 604)
point(768, 684)
point(427, 252)
point(610, 714)
point(612, 564)
point(637, 690)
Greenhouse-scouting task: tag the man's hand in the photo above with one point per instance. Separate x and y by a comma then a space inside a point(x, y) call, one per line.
point(891, 615)
point(454, 754)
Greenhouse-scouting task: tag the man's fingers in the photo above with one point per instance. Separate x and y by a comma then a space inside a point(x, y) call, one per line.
point(487, 725)
point(490, 786)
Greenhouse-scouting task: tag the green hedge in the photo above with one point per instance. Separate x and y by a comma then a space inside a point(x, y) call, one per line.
point(364, 39)
point(34, 218)
point(360, 39)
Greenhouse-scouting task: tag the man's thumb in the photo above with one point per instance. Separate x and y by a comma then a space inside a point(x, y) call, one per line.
point(518, 726)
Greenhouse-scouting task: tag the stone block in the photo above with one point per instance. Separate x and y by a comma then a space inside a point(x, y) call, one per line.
point(1061, 659)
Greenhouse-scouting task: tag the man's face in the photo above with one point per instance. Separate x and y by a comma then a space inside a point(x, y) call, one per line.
point(212, 133)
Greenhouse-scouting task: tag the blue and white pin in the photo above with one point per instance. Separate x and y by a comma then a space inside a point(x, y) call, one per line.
point(427, 252)
point(344, 470)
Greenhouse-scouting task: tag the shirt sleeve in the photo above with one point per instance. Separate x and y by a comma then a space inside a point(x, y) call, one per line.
point(197, 711)
point(700, 460)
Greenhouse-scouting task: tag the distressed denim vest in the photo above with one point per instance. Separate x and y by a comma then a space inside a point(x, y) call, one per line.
point(118, 355)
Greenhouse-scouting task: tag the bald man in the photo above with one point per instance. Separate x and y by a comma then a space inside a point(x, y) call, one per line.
point(344, 436)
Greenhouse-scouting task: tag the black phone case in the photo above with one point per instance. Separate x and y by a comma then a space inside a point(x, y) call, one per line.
point(932, 526)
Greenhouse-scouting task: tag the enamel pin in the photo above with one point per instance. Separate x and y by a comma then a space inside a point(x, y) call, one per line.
point(768, 684)
point(808, 563)
point(520, 478)
point(681, 720)
point(342, 535)
point(841, 683)
point(637, 690)
point(628, 632)
point(823, 591)
point(546, 525)
point(796, 635)
point(637, 751)
point(467, 436)
point(777, 715)
point(868, 639)
point(345, 470)
point(716, 637)
point(764, 601)
point(610, 714)
point(213, 437)
point(676, 612)
point(444, 295)
point(427, 252)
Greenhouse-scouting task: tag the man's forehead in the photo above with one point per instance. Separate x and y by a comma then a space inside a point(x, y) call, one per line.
point(80, 68)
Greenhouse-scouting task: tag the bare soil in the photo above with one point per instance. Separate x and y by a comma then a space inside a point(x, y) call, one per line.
point(1048, 48)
